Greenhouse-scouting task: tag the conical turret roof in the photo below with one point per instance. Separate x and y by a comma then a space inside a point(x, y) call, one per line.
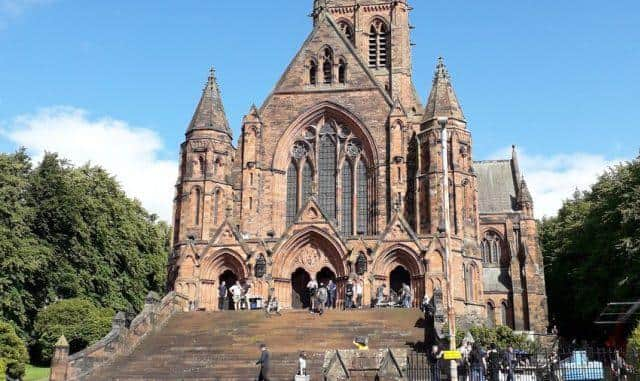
point(210, 113)
point(442, 101)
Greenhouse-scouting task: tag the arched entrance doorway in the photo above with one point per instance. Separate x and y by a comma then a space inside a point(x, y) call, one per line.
point(313, 252)
point(400, 265)
point(230, 279)
point(224, 265)
point(299, 295)
point(397, 278)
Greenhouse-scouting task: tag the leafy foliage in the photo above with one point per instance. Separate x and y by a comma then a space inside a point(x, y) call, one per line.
point(502, 336)
point(13, 352)
point(633, 350)
point(81, 322)
point(592, 251)
point(68, 232)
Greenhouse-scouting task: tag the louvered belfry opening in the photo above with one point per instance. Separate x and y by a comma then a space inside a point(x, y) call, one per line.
point(378, 44)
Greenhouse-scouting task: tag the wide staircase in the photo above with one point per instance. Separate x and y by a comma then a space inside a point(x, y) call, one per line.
point(224, 345)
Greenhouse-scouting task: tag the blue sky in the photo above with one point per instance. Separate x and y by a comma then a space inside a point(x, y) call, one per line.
point(558, 78)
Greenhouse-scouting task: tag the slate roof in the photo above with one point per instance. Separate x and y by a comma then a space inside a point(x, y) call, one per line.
point(496, 186)
point(443, 100)
point(209, 114)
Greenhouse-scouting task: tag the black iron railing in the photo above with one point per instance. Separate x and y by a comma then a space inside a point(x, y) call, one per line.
point(569, 364)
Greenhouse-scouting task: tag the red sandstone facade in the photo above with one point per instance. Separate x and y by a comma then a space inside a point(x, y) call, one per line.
point(339, 172)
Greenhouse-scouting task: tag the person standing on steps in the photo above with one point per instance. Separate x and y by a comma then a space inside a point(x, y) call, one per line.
point(312, 289)
point(434, 362)
point(332, 289)
point(359, 292)
point(222, 296)
point(265, 363)
point(348, 295)
point(236, 295)
point(321, 295)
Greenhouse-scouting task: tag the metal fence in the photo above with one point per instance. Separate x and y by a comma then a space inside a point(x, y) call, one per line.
point(576, 364)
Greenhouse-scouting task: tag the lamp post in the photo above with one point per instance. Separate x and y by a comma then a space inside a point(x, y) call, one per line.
point(442, 121)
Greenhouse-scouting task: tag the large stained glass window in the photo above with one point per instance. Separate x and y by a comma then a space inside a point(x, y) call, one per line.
point(327, 176)
point(347, 199)
point(363, 198)
point(292, 193)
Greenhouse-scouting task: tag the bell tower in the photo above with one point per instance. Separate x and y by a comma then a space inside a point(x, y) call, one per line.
point(203, 191)
point(379, 31)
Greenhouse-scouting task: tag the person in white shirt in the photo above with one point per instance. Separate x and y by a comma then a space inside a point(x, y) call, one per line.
point(312, 288)
point(302, 364)
point(236, 295)
point(359, 292)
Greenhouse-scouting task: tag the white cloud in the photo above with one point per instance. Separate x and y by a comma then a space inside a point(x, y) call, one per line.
point(128, 153)
point(554, 178)
point(11, 9)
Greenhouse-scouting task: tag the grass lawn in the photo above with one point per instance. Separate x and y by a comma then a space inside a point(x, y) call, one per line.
point(35, 373)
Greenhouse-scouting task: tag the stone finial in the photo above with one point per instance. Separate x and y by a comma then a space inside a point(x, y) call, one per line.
point(152, 298)
point(62, 342)
point(120, 320)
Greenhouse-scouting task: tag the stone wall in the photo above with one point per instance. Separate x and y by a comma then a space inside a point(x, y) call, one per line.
point(119, 342)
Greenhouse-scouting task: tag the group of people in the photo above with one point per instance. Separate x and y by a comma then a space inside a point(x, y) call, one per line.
point(321, 296)
point(477, 364)
point(402, 298)
point(238, 294)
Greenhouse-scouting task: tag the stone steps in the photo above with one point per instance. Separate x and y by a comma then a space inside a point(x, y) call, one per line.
point(224, 345)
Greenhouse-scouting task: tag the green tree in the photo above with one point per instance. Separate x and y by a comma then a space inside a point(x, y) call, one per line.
point(13, 352)
point(592, 251)
point(79, 320)
point(106, 247)
point(22, 253)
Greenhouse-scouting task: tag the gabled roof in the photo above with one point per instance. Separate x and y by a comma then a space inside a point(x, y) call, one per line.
point(209, 114)
point(442, 101)
point(496, 186)
point(326, 22)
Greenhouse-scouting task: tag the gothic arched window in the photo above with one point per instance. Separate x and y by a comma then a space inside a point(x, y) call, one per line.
point(313, 73)
point(342, 71)
point(261, 266)
point(202, 166)
point(505, 313)
point(491, 315)
point(363, 198)
point(196, 200)
point(346, 28)
point(292, 193)
point(327, 175)
point(313, 169)
point(347, 199)
point(361, 264)
point(378, 44)
point(327, 66)
point(216, 202)
point(491, 248)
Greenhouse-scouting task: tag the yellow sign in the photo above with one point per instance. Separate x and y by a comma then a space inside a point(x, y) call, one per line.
point(452, 355)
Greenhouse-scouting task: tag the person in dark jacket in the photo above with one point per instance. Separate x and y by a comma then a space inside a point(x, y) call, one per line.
point(265, 363)
point(222, 296)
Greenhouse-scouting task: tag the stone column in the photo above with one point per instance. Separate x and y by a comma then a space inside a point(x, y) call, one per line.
point(60, 360)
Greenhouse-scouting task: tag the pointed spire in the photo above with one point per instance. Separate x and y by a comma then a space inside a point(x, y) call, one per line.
point(516, 164)
point(210, 113)
point(524, 196)
point(62, 342)
point(442, 101)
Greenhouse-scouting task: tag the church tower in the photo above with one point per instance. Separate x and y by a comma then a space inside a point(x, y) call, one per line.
point(381, 34)
point(203, 191)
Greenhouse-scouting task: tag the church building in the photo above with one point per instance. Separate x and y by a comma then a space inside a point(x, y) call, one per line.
point(339, 174)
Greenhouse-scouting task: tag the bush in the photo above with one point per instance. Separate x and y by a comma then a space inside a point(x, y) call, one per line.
point(502, 336)
point(79, 320)
point(13, 352)
point(633, 351)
